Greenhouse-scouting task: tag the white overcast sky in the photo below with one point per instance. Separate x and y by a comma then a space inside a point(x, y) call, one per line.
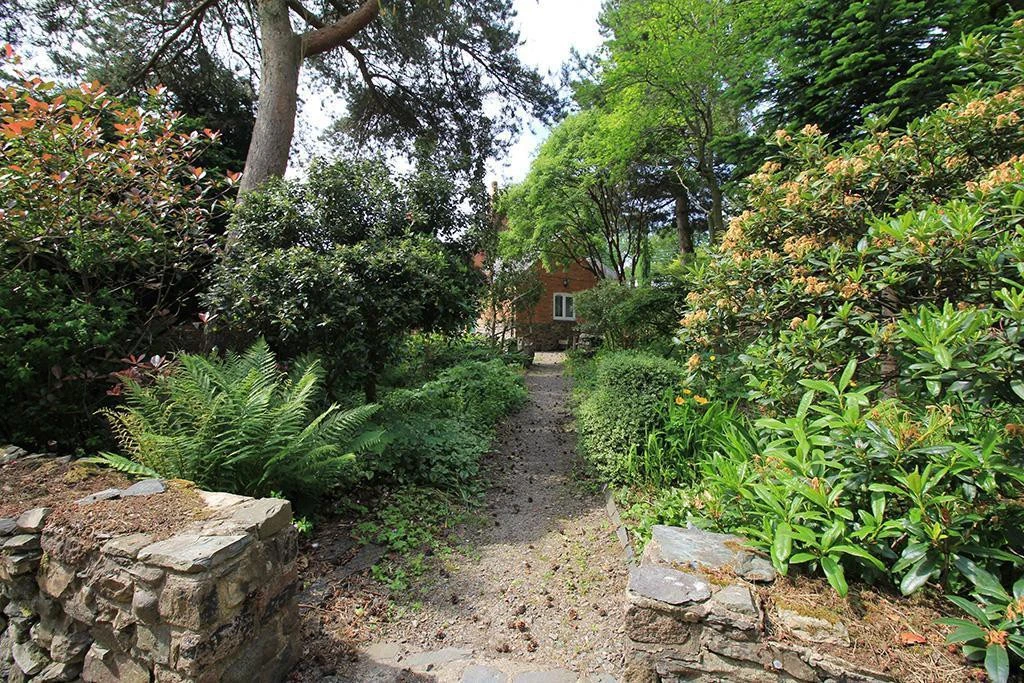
point(550, 29)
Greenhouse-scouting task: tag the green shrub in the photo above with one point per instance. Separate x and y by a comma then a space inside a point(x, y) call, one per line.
point(345, 264)
point(102, 251)
point(629, 392)
point(423, 356)
point(871, 298)
point(627, 317)
point(243, 426)
point(442, 429)
point(994, 633)
point(442, 452)
point(686, 431)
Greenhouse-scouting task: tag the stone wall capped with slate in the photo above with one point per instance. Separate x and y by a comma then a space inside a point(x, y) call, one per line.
point(693, 614)
point(216, 601)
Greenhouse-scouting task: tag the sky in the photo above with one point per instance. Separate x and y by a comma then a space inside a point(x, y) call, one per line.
point(550, 29)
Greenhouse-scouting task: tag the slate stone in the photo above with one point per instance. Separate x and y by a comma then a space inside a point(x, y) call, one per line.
point(483, 674)
point(70, 647)
point(146, 487)
point(30, 658)
point(668, 585)
point(33, 520)
point(736, 598)
point(216, 499)
point(127, 546)
point(23, 543)
point(266, 515)
point(428, 661)
point(814, 629)
point(105, 494)
point(698, 548)
point(7, 527)
point(193, 554)
point(384, 652)
point(57, 672)
point(552, 676)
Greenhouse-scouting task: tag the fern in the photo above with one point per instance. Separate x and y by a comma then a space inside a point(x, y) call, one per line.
point(122, 464)
point(239, 424)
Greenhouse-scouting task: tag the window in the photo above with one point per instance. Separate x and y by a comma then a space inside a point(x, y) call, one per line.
point(564, 307)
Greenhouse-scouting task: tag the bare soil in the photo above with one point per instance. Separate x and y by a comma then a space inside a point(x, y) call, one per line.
point(538, 584)
point(892, 634)
point(53, 483)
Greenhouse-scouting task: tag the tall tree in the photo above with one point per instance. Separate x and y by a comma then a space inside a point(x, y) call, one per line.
point(676, 66)
point(837, 62)
point(409, 68)
point(584, 201)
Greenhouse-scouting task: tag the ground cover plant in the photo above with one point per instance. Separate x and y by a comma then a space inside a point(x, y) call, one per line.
point(850, 393)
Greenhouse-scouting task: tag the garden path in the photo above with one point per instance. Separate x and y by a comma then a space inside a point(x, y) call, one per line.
point(538, 595)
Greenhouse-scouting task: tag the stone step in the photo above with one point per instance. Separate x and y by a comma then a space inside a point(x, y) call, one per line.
point(389, 661)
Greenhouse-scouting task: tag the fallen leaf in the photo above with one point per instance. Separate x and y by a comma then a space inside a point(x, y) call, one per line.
point(908, 638)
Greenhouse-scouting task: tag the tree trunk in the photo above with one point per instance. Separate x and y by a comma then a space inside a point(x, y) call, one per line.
point(684, 228)
point(278, 99)
point(716, 221)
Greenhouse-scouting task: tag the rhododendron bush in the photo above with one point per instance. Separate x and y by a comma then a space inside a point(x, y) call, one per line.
point(106, 226)
point(902, 250)
point(864, 318)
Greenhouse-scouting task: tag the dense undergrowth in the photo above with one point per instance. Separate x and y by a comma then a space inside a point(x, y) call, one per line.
point(847, 384)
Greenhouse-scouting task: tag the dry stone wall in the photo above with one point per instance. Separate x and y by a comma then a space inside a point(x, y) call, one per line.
point(693, 615)
point(217, 601)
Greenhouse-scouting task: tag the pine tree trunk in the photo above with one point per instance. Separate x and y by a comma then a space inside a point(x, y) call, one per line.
point(716, 221)
point(684, 228)
point(278, 99)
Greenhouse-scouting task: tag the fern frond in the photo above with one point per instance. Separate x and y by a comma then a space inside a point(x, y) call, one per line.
point(121, 464)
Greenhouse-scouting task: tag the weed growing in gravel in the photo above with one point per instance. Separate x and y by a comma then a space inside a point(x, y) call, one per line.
point(413, 523)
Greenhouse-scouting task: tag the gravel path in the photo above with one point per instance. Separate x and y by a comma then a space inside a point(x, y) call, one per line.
point(538, 596)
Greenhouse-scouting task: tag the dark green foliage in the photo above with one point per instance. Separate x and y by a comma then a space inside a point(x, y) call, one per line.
point(442, 429)
point(102, 254)
point(993, 611)
point(626, 401)
point(423, 356)
point(627, 317)
point(243, 426)
point(345, 265)
point(838, 61)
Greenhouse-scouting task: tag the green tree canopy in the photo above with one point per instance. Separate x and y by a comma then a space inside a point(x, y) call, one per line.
point(587, 200)
point(837, 62)
point(345, 264)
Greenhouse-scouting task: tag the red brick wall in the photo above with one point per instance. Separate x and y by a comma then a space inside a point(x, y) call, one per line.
point(579, 279)
point(539, 325)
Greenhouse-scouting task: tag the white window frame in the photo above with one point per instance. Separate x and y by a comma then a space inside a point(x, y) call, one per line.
point(554, 306)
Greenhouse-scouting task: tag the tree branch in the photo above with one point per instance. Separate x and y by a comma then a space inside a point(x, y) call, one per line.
point(194, 17)
point(334, 35)
point(306, 15)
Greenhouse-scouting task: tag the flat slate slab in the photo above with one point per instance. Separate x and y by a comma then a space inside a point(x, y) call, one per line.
point(33, 520)
point(552, 676)
point(105, 494)
point(146, 487)
point(193, 554)
point(668, 585)
point(483, 674)
point(428, 661)
point(697, 548)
